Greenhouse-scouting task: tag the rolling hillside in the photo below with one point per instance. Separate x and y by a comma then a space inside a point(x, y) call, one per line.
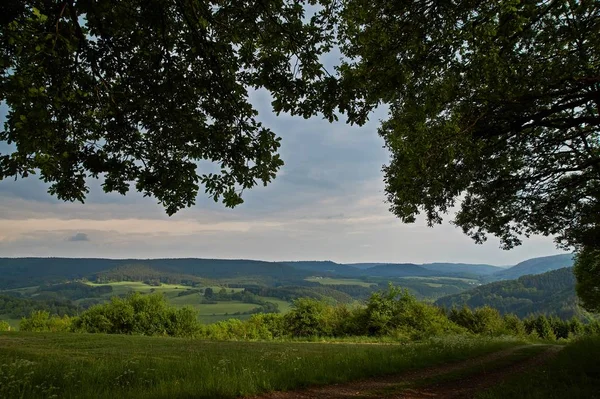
point(22, 272)
point(534, 266)
point(550, 293)
point(399, 270)
point(326, 268)
point(463, 268)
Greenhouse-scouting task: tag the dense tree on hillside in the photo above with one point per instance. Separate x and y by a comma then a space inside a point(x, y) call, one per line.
point(587, 271)
point(551, 293)
point(16, 308)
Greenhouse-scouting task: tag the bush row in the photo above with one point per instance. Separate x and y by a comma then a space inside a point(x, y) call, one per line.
point(393, 313)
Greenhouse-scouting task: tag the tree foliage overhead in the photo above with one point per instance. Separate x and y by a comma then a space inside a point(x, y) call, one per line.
point(140, 91)
point(493, 104)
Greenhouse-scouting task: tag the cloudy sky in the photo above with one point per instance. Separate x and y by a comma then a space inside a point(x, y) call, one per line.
point(326, 203)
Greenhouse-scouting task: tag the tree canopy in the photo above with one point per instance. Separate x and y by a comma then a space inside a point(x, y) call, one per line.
point(494, 110)
point(141, 91)
point(494, 105)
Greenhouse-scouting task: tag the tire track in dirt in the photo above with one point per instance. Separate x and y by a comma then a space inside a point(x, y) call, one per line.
point(470, 385)
point(464, 387)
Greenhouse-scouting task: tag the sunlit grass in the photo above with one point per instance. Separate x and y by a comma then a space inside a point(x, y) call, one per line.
point(573, 373)
point(102, 366)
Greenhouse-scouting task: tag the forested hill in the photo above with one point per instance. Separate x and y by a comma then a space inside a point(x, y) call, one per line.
point(20, 272)
point(463, 268)
point(327, 267)
point(548, 293)
point(534, 266)
point(399, 270)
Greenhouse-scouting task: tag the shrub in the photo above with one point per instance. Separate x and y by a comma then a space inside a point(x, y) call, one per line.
point(309, 317)
point(4, 326)
point(488, 321)
point(397, 312)
point(138, 314)
point(41, 321)
point(543, 328)
point(514, 325)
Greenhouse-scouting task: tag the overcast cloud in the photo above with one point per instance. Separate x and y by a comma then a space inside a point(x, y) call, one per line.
point(326, 203)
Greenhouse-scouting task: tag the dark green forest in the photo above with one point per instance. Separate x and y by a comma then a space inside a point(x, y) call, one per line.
point(551, 293)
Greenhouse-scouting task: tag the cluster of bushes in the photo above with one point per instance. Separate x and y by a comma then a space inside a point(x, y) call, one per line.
point(41, 320)
point(4, 326)
point(488, 320)
point(135, 314)
point(138, 314)
point(392, 313)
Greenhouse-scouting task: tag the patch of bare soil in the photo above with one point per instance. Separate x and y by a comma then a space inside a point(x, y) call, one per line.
point(467, 387)
point(464, 388)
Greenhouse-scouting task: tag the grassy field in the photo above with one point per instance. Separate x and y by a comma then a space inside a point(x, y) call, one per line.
point(123, 287)
point(40, 365)
point(574, 373)
point(338, 281)
point(208, 313)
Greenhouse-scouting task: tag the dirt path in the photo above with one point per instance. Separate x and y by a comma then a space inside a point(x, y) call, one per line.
point(415, 385)
point(469, 385)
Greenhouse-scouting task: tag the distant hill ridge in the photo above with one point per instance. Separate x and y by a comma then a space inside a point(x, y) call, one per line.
point(534, 266)
point(21, 272)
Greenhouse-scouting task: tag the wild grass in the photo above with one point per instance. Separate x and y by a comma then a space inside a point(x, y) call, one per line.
point(106, 366)
point(573, 373)
point(519, 355)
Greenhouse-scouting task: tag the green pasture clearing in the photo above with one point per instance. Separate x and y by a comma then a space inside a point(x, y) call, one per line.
point(284, 306)
point(36, 365)
point(25, 291)
point(434, 285)
point(217, 288)
point(124, 287)
point(338, 281)
point(441, 278)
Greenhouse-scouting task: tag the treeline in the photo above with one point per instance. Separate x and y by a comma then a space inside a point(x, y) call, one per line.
point(212, 297)
point(424, 289)
point(394, 313)
point(25, 272)
point(16, 308)
point(72, 291)
point(551, 293)
point(146, 274)
point(310, 290)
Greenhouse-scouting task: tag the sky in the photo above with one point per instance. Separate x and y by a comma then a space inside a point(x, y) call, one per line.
point(327, 203)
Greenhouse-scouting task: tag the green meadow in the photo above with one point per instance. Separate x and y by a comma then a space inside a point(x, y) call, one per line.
point(67, 365)
point(207, 312)
point(338, 281)
point(441, 278)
